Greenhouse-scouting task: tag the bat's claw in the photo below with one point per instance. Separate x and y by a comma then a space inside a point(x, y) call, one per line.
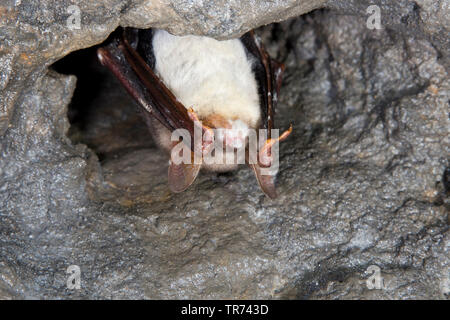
point(193, 115)
point(265, 154)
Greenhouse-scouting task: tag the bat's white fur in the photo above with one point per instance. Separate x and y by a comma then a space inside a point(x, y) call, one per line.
point(211, 76)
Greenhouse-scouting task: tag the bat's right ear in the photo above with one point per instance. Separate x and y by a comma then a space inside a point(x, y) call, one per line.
point(181, 176)
point(266, 182)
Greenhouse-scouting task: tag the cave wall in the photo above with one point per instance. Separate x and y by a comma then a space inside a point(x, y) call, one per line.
point(363, 180)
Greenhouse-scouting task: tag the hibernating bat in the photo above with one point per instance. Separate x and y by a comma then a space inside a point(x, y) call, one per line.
point(217, 93)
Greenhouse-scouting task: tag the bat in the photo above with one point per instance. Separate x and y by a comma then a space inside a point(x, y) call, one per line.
point(216, 93)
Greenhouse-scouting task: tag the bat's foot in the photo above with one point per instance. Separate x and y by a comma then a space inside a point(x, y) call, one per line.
point(265, 154)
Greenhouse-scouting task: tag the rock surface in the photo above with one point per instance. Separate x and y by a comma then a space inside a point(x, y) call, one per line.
point(364, 179)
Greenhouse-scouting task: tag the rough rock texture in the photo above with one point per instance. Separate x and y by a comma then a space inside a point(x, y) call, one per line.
point(34, 34)
point(364, 179)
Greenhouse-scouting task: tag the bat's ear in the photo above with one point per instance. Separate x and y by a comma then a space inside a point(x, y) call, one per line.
point(181, 176)
point(266, 182)
point(265, 159)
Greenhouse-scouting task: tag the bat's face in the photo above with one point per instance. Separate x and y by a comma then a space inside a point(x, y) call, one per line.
point(231, 133)
point(230, 138)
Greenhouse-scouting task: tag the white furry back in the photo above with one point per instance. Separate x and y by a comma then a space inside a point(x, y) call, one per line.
point(213, 77)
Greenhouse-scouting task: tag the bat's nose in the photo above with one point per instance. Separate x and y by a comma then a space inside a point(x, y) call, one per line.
point(235, 136)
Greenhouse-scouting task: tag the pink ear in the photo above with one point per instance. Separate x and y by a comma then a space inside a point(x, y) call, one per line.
point(266, 182)
point(181, 176)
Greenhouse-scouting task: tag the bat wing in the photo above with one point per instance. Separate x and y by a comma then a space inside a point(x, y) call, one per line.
point(129, 55)
point(268, 74)
point(131, 60)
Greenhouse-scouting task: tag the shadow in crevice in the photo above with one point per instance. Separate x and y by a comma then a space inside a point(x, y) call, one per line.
point(101, 113)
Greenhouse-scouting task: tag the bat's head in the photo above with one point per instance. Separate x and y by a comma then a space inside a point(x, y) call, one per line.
point(230, 140)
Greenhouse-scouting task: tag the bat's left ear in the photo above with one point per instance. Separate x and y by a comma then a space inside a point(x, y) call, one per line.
point(181, 176)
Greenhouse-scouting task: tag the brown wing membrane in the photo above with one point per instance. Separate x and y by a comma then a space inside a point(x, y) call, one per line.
point(268, 73)
point(114, 59)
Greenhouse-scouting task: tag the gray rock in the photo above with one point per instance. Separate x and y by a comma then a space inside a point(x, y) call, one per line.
point(362, 181)
point(419, 19)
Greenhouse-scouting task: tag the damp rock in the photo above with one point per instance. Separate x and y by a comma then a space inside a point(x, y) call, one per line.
point(363, 185)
